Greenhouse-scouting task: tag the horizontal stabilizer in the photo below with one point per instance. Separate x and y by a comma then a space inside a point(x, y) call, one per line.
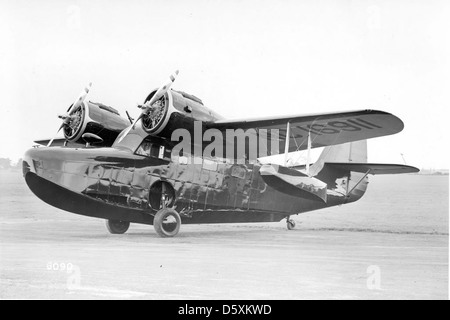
point(373, 168)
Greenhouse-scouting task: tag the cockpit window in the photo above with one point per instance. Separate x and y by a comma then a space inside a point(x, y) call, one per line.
point(153, 150)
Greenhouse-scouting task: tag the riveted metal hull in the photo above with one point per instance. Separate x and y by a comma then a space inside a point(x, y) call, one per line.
point(113, 184)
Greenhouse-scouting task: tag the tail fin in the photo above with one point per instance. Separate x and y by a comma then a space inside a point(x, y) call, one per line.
point(345, 167)
point(351, 185)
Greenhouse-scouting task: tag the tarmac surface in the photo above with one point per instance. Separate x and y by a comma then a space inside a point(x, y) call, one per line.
point(366, 250)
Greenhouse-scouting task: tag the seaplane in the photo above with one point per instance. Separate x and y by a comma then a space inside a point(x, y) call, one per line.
point(180, 162)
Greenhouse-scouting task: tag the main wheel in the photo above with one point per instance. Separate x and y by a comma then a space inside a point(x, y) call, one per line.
point(290, 224)
point(167, 222)
point(117, 226)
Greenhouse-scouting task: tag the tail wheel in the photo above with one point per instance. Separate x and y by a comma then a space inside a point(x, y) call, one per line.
point(167, 222)
point(290, 224)
point(117, 226)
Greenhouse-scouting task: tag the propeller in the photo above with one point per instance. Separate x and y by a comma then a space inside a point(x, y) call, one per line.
point(69, 116)
point(158, 94)
point(147, 107)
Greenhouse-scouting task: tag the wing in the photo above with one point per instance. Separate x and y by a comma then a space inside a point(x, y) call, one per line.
point(326, 129)
point(57, 142)
point(373, 168)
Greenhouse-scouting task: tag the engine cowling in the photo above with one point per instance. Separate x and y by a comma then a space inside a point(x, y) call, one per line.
point(175, 109)
point(97, 119)
point(155, 120)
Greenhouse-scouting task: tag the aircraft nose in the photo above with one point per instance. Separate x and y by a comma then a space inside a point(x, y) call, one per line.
point(30, 161)
point(36, 159)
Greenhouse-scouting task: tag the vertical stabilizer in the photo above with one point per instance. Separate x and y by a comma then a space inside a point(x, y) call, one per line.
point(351, 184)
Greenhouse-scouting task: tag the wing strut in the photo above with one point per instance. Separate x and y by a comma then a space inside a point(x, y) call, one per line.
point(286, 144)
point(308, 154)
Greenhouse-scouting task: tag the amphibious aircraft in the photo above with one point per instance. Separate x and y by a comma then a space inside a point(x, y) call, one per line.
point(127, 171)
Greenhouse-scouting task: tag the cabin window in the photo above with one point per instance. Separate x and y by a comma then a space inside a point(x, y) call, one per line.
point(153, 150)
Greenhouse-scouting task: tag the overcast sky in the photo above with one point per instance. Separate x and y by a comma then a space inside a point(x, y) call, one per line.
point(242, 58)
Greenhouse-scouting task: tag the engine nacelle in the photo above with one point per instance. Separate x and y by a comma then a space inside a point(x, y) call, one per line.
point(97, 119)
point(180, 108)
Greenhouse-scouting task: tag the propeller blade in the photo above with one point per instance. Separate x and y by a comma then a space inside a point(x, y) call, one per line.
point(51, 141)
point(161, 91)
point(129, 117)
point(132, 126)
point(137, 119)
point(128, 129)
point(80, 98)
point(158, 94)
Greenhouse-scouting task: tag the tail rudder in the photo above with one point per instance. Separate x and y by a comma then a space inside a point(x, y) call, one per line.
point(345, 167)
point(351, 185)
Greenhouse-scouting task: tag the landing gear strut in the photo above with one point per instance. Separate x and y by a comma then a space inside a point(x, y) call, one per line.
point(290, 223)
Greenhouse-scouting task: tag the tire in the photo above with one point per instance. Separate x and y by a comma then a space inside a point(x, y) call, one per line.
point(117, 226)
point(167, 223)
point(290, 224)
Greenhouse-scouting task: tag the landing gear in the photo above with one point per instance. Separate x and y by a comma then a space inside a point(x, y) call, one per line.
point(167, 222)
point(117, 226)
point(290, 223)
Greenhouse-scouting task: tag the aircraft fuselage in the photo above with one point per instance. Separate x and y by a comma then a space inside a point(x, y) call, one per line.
point(115, 184)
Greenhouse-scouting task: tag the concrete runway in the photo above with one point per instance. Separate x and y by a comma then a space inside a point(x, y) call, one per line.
point(247, 261)
point(219, 262)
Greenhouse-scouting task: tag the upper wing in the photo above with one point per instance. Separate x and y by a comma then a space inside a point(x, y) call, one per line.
point(326, 129)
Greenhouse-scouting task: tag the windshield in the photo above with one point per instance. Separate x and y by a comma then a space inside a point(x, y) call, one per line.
point(130, 141)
